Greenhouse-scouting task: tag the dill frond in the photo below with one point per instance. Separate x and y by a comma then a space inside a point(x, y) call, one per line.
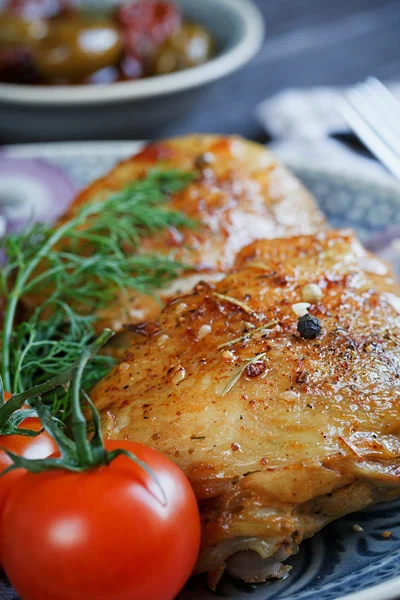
point(77, 268)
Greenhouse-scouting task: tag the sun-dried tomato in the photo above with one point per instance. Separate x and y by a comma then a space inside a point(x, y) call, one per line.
point(145, 24)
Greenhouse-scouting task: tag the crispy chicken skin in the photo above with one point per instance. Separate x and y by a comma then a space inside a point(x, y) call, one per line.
point(242, 193)
point(306, 433)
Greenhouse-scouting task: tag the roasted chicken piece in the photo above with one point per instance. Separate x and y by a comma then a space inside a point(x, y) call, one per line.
point(241, 193)
point(278, 434)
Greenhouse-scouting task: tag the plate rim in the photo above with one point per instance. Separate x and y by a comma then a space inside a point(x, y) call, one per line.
point(120, 147)
point(390, 590)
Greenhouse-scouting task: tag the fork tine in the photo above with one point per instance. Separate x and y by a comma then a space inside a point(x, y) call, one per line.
point(387, 97)
point(379, 94)
point(370, 137)
point(371, 110)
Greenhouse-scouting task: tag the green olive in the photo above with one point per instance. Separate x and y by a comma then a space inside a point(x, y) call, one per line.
point(76, 48)
point(190, 46)
point(16, 32)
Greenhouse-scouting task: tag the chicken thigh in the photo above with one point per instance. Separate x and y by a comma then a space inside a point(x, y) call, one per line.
point(241, 193)
point(279, 430)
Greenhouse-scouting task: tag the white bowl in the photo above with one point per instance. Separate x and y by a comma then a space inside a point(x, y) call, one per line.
point(133, 108)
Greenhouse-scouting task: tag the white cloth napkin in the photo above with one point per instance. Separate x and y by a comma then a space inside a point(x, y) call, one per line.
point(301, 122)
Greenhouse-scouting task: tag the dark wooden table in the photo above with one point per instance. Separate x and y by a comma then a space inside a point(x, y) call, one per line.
point(308, 43)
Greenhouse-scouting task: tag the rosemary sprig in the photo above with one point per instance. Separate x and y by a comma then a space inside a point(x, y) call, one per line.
point(249, 334)
point(240, 372)
point(258, 265)
point(77, 268)
point(235, 302)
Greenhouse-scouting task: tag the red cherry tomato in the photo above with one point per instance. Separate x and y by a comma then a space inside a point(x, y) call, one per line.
point(30, 447)
point(102, 534)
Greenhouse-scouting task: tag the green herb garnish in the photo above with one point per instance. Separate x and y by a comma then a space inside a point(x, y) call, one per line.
point(237, 376)
point(78, 268)
point(77, 454)
point(249, 334)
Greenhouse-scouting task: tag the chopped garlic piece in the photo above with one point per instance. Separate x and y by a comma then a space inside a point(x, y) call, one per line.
point(301, 308)
point(162, 339)
point(311, 293)
point(289, 396)
point(203, 331)
point(181, 307)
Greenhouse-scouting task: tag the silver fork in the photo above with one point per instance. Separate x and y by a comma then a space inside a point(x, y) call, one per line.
point(373, 113)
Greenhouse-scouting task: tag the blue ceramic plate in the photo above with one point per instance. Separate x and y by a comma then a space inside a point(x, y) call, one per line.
point(338, 563)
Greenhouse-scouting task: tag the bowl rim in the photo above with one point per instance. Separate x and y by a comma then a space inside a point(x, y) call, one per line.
point(160, 85)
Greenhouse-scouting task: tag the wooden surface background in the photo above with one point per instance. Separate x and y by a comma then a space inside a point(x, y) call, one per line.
point(308, 43)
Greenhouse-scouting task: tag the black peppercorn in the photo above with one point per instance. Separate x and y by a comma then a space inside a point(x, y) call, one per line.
point(309, 327)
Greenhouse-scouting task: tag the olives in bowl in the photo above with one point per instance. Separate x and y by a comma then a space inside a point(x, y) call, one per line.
point(75, 49)
point(54, 43)
point(171, 54)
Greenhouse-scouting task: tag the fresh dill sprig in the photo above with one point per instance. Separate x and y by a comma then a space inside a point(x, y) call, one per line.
point(43, 345)
point(71, 271)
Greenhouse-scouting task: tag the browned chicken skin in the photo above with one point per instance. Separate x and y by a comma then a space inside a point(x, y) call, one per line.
point(242, 193)
point(278, 434)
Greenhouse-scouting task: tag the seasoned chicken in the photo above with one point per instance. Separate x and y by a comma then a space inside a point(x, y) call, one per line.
point(242, 193)
point(278, 434)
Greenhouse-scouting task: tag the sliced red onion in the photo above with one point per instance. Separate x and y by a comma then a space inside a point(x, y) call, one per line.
point(32, 190)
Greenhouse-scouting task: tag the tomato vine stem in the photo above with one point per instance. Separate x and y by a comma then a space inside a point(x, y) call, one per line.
point(78, 454)
point(79, 426)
